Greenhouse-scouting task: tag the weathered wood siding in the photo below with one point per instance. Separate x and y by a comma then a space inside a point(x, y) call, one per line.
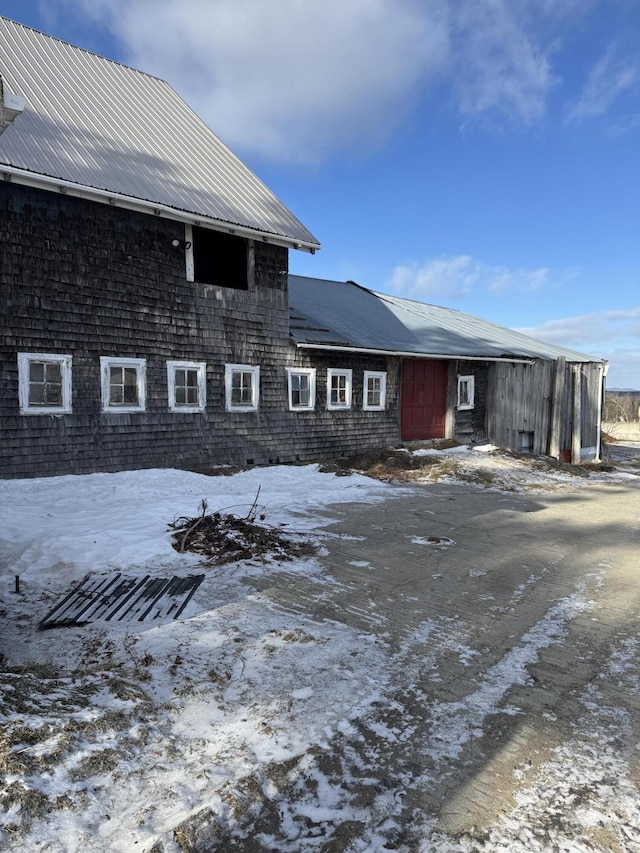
point(589, 376)
point(519, 398)
point(92, 280)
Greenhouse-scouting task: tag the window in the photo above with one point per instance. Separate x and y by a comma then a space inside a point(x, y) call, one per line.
point(187, 385)
point(466, 390)
point(241, 387)
point(525, 442)
point(123, 384)
point(214, 257)
point(44, 383)
point(302, 388)
point(338, 389)
point(375, 390)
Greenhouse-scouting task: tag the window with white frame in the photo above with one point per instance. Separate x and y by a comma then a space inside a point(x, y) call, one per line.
point(186, 381)
point(44, 383)
point(338, 388)
point(242, 382)
point(123, 384)
point(466, 391)
point(302, 388)
point(375, 390)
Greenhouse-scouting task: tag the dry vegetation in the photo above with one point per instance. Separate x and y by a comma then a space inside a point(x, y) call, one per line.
point(387, 464)
point(48, 720)
point(222, 538)
point(485, 470)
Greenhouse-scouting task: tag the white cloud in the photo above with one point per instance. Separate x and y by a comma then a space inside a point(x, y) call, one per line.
point(614, 335)
point(456, 277)
point(609, 80)
point(503, 68)
point(296, 81)
point(289, 79)
point(601, 329)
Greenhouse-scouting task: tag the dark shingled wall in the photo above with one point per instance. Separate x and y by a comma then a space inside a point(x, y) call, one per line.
point(471, 424)
point(92, 280)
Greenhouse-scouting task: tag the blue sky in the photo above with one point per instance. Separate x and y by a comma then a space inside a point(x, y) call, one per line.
point(478, 154)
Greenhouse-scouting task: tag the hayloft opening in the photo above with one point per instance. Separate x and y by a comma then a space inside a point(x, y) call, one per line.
point(220, 259)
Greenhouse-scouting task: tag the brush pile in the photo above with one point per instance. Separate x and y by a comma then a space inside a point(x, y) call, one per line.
point(222, 538)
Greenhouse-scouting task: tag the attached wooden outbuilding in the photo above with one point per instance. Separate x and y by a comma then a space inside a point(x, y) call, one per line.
point(458, 376)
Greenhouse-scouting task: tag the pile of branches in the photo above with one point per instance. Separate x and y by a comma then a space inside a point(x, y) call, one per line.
point(222, 538)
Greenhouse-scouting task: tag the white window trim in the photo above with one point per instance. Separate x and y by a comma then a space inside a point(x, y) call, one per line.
point(188, 253)
point(24, 359)
point(305, 371)
point(201, 367)
point(334, 371)
point(382, 376)
point(140, 364)
point(471, 381)
point(229, 370)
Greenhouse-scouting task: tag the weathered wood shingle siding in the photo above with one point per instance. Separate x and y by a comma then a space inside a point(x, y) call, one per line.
point(327, 433)
point(470, 425)
point(91, 280)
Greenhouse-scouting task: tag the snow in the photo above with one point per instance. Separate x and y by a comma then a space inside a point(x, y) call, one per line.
point(142, 727)
point(234, 682)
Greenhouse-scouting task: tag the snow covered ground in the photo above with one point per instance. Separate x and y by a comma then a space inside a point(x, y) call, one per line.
point(150, 736)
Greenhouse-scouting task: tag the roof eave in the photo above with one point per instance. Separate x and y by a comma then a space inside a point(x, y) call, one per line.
point(45, 182)
point(403, 354)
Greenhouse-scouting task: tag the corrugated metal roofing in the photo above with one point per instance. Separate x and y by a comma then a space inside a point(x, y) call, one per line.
point(99, 124)
point(343, 314)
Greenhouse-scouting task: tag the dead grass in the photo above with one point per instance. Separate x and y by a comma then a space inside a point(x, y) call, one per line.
point(401, 466)
point(98, 763)
point(381, 464)
point(47, 720)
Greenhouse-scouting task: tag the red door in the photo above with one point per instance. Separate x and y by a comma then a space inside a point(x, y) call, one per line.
point(423, 399)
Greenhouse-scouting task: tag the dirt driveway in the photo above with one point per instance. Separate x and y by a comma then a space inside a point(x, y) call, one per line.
point(511, 720)
point(458, 670)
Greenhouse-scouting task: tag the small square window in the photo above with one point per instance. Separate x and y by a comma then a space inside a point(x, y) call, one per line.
point(338, 388)
point(44, 383)
point(525, 442)
point(213, 257)
point(186, 381)
point(242, 383)
point(123, 384)
point(302, 388)
point(375, 390)
point(466, 391)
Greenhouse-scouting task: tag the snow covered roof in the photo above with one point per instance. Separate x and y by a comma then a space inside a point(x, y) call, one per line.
point(344, 315)
point(91, 124)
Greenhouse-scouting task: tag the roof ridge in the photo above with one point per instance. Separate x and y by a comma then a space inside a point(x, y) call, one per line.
point(85, 50)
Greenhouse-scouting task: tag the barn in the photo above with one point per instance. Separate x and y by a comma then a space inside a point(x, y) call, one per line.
point(149, 320)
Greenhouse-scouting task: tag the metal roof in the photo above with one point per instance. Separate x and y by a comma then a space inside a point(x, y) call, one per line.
point(344, 315)
point(97, 124)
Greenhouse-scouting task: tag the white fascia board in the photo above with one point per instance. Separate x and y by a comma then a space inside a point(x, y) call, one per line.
point(44, 182)
point(425, 355)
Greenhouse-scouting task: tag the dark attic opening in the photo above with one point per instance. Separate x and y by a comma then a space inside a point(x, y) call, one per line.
point(220, 259)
